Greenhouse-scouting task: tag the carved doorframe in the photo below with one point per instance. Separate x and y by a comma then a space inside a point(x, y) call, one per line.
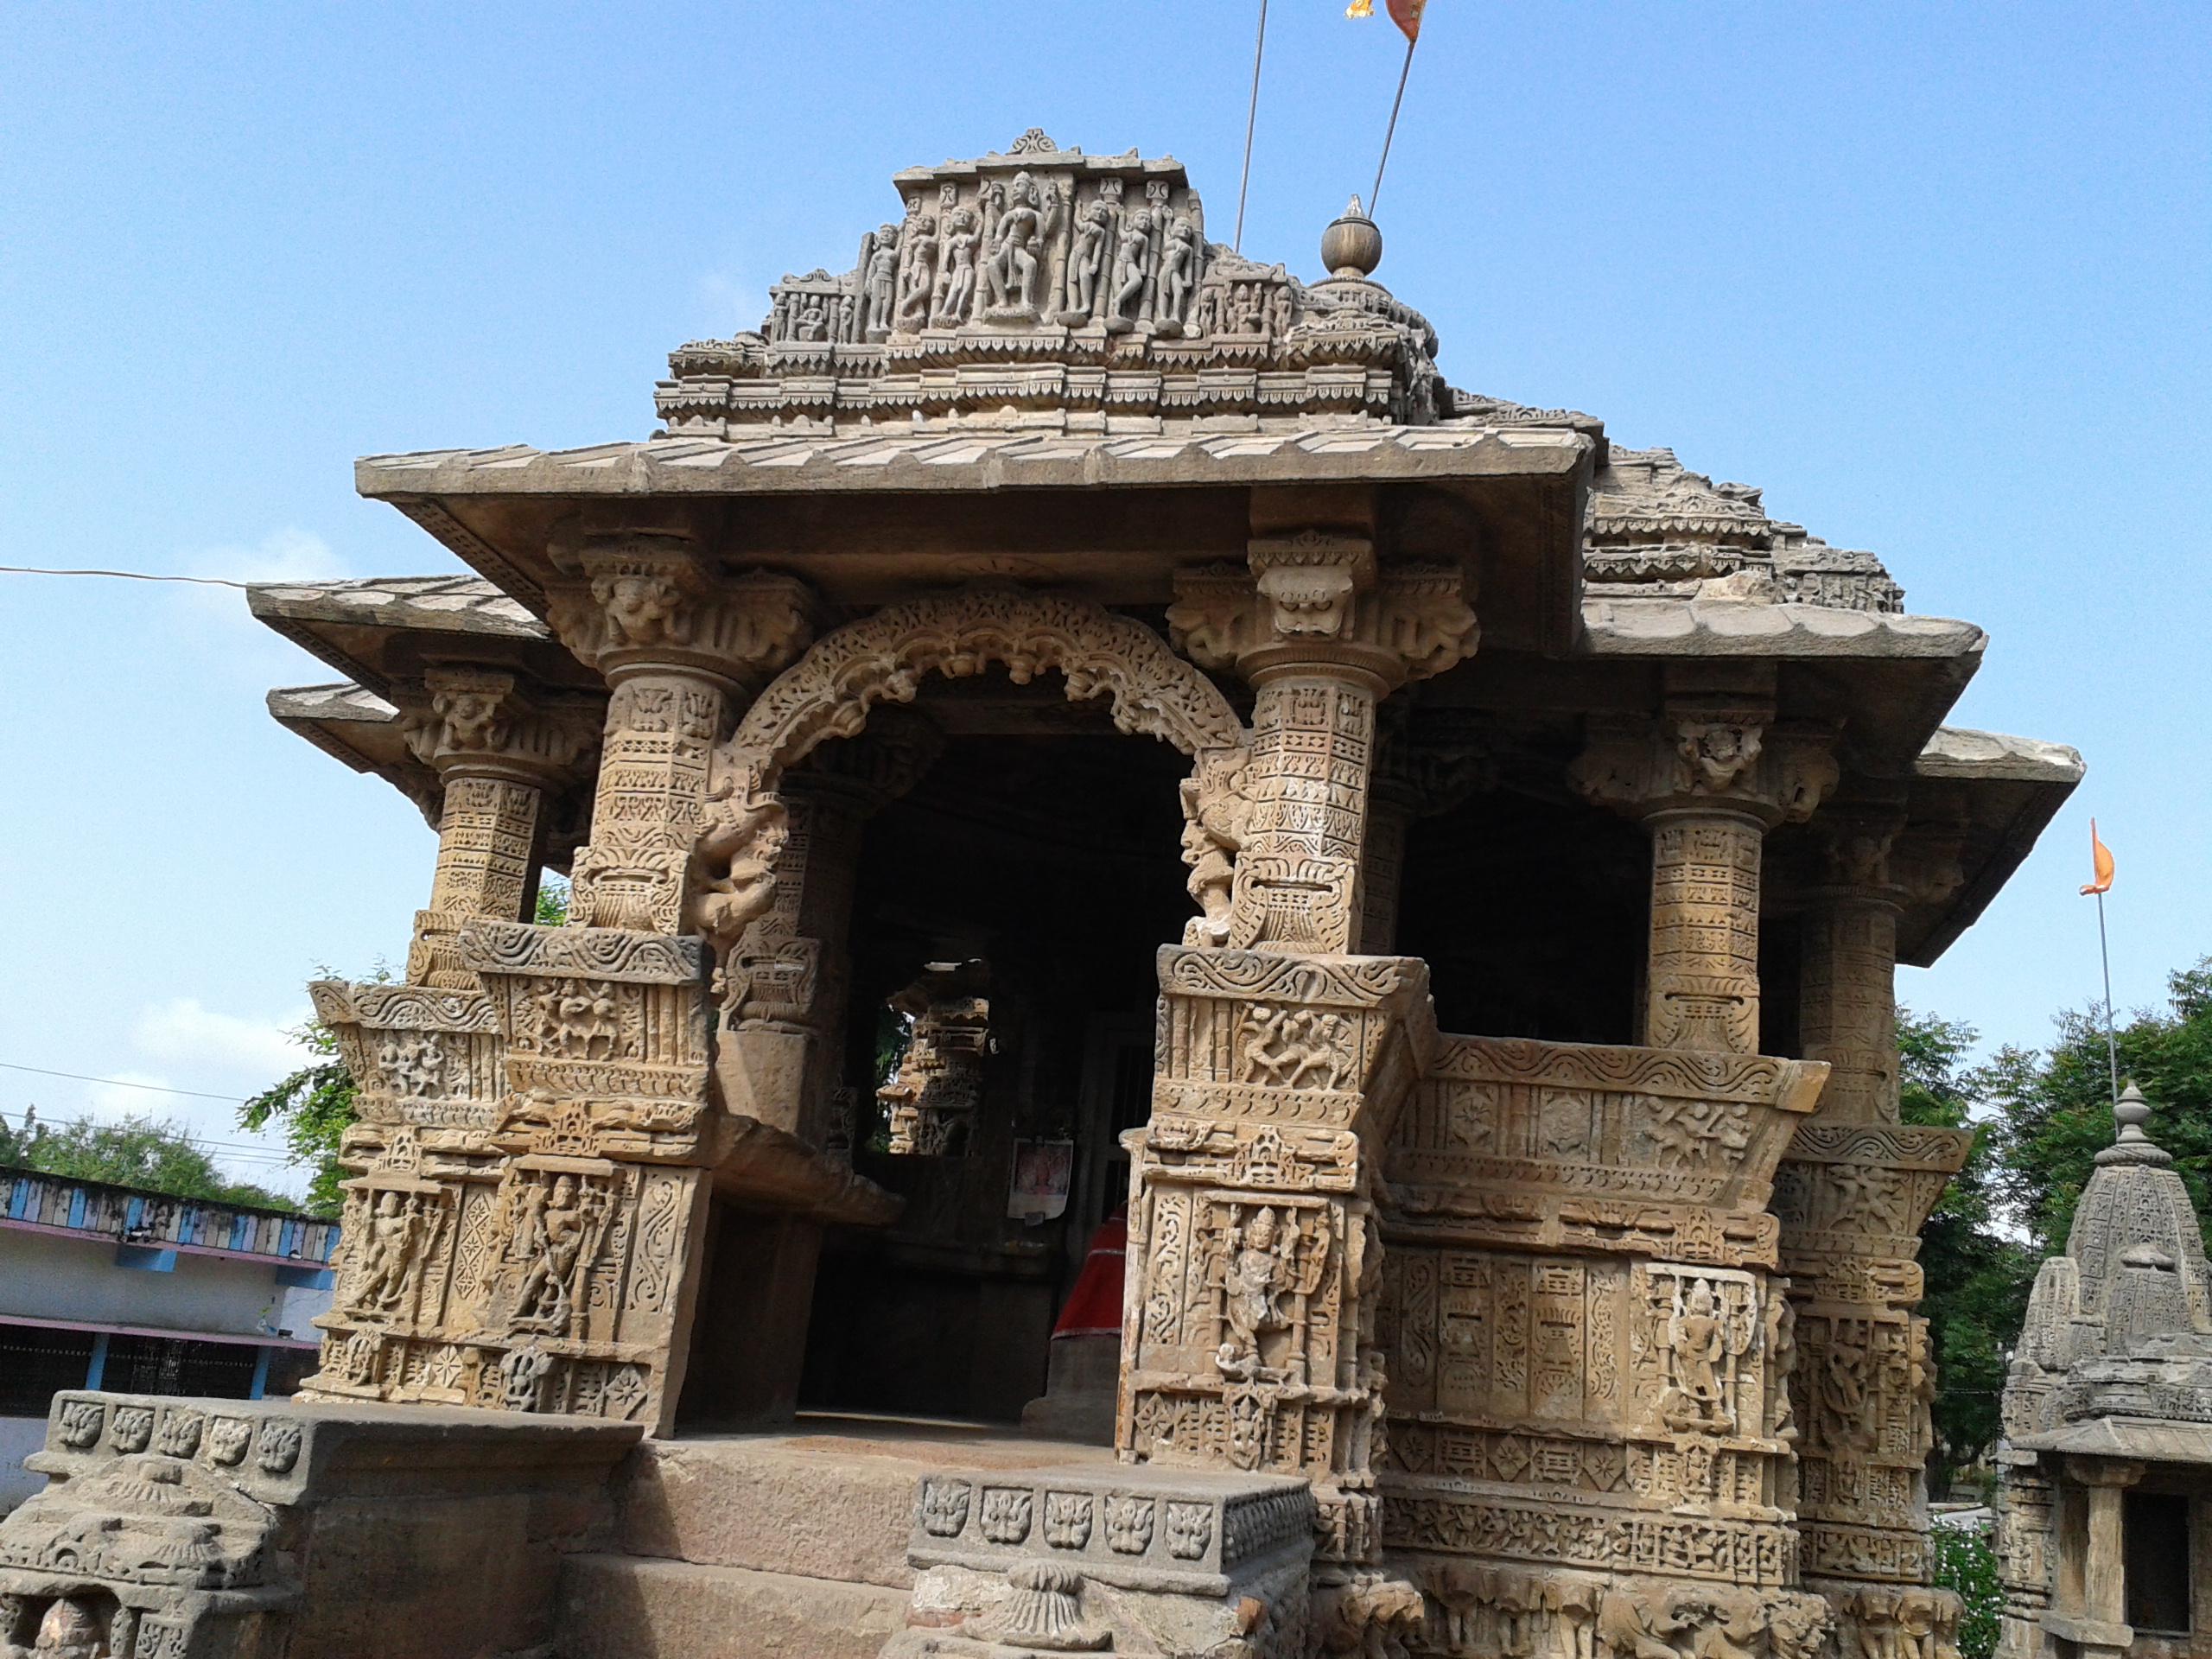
point(884, 657)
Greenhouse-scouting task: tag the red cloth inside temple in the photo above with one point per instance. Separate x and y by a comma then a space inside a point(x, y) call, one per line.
point(1094, 1306)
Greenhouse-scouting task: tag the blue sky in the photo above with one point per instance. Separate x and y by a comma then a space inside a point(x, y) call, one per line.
point(1936, 276)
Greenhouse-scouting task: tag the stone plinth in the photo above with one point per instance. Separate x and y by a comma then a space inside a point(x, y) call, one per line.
point(191, 1528)
point(1136, 1559)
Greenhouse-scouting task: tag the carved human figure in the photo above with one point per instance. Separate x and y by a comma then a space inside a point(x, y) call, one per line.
point(956, 283)
point(917, 275)
point(1010, 272)
point(1087, 262)
point(1717, 753)
point(563, 1228)
point(1279, 313)
point(1178, 270)
point(1781, 1363)
point(71, 1629)
point(1839, 1391)
point(1256, 1268)
point(813, 321)
point(879, 282)
point(1131, 260)
point(1700, 1342)
point(396, 1229)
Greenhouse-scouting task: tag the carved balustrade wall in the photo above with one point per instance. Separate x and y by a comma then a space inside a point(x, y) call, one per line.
point(1589, 1430)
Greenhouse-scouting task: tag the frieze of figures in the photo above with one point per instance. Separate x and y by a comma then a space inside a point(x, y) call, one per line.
point(1476, 1611)
point(1046, 280)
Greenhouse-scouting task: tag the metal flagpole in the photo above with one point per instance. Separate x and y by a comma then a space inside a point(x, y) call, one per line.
point(1251, 115)
point(1390, 131)
point(2111, 1045)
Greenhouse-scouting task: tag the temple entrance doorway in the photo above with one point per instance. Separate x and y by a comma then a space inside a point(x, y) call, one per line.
point(1007, 914)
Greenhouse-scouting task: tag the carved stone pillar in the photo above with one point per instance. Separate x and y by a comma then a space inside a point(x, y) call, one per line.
point(781, 1058)
point(1246, 1342)
point(2099, 1622)
point(683, 649)
point(1852, 1194)
point(1708, 779)
point(498, 749)
point(427, 1056)
point(547, 1264)
point(1323, 634)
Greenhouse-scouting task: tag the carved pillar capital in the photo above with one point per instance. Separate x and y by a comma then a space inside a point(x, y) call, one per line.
point(1316, 598)
point(486, 722)
point(647, 601)
point(1706, 757)
point(1324, 633)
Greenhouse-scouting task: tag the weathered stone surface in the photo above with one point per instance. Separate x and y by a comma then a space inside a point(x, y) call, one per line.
point(221, 1527)
point(832, 1506)
point(621, 1607)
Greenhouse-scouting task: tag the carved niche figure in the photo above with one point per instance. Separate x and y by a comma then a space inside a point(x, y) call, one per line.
point(399, 1235)
point(1254, 1270)
point(1087, 263)
point(1178, 273)
point(880, 283)
point(1011, 274)
point(956, 283)
point(1701, 1345)
point(1842, 1395)
point(813, 322)
point(917, 272)
point(557, 1236)
point(1132, 277)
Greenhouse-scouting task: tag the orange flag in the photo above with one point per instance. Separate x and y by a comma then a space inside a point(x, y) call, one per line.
point(1406, 14)
point(2099, 860)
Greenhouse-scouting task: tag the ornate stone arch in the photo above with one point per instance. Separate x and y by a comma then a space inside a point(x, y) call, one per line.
point(885, 658)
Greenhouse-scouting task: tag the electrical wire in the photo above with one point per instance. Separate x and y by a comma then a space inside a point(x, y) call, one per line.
point(128, 576)
point(118, 1083)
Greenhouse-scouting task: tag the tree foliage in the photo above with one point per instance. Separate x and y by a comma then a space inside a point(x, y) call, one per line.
point(156, 1154)
point(2056, 1105)
point(1965, 1563)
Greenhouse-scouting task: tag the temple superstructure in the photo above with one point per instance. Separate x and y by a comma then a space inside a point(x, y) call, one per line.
point(1061, 717)
point(2107, 1461)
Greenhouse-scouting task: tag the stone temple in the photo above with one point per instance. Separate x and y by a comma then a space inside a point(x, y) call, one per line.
point(2107, 1462)
point(1067, 725)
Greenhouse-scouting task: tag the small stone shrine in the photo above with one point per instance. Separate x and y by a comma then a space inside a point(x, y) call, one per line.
point(2105, 1523)
point(1066, 716)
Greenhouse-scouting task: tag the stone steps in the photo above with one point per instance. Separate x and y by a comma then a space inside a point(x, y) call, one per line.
point(785, 1544)
point(631, 1607)
point(835, 1506)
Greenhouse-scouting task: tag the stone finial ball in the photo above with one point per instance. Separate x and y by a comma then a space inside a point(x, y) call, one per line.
point(1351, 246)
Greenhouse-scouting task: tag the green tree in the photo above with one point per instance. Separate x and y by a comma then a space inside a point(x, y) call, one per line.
point(552, 901)
point(314, 1107)
point(1965, 1563)
point(2056, 1104)
point(156, 1154)
point(1977, 1279)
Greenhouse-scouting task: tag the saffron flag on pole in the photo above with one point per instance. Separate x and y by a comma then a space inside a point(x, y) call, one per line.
point(2100, 862)
point(1406, 14)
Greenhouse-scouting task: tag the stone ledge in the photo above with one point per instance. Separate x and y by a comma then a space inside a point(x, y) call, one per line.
point(620, 1607)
